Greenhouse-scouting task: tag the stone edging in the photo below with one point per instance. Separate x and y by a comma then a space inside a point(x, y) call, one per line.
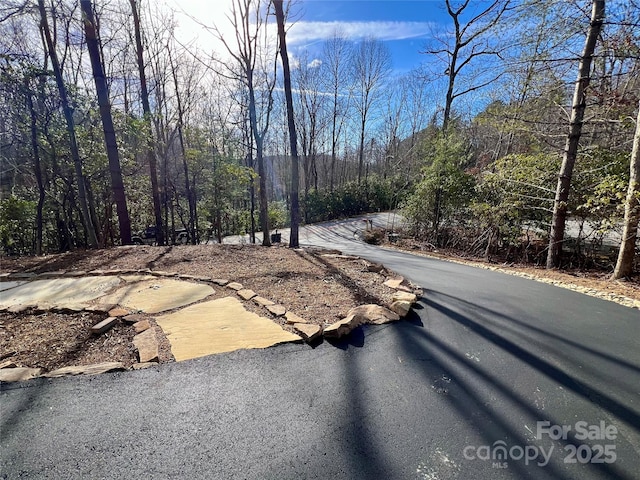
point(146, 344)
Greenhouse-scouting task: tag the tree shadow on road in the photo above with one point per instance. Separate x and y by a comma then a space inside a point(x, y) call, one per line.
point(466, 382)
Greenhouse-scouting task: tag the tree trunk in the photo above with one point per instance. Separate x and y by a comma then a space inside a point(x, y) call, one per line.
point(262, 194)
point(295, 207)
point(185, 166)
point(117, 184)
point(361, 147)
point(151, 154)
point(624, 265)
point(38, 169)
point(92, 239)
point(556, 237)
point(262, 197)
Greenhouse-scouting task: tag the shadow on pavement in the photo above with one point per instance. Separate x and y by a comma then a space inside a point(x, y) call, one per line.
point(467, 380)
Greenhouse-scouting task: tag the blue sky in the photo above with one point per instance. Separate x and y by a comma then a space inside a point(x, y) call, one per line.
point(404, 26)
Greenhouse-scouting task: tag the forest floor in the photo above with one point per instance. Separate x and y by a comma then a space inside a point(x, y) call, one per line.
point(314, 284)
point(319, 287)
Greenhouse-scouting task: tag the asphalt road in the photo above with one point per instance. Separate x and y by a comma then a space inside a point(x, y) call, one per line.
point(494, 376)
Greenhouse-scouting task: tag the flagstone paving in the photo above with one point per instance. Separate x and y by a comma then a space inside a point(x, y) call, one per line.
point(54, 291)
point(194, 324)
point(217, 326)
point(206, 328)
point(157, 295)
point(11, 284)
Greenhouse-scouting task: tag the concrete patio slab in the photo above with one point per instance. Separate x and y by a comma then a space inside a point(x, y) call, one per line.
point(158, 295)
point(69, 290)
point(218, 326)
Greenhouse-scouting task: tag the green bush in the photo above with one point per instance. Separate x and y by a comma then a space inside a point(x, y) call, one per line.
point(373, 195)
point(17, 225)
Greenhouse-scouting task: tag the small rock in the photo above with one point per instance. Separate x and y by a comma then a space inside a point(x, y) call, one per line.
point(142, 366)
point(308, 331)
point(220, 281)
point(113, 271)
point(141, 326)
point(118, 312)
point(401, 296)
point(160, 273)
point(133, 318)
point(277, 310)
point(292, 318)
point(375, 267)
point(147, 346)
point(394, 282)
point(101, 307)
point(201, 278)
point(246, 293)
point(235, 286)
point(58, 273)
point(401, 307)
point(262, 301)
point(17, 308)
point(104, 325)
point(342, 327)
point(21, 275)
point(76, 273)
point(19, 374)
point(44, 307)
point(404, 288)
point(374, 314)
point(70, 307)
point(94, 369)
point(184, 276)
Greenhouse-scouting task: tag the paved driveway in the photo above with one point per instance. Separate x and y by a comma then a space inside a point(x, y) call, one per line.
point(494, 376)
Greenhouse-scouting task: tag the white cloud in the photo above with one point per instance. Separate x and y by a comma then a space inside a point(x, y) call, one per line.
point(315, 63)
point(193, 15)
point(294, 62)
point(301, 33)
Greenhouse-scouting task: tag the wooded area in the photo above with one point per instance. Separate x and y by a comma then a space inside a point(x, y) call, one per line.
point(519, 124)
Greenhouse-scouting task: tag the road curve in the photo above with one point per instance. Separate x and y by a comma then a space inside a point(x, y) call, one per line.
point(494, 376)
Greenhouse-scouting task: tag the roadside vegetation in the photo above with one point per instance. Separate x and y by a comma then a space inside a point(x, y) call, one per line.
point(512, 142)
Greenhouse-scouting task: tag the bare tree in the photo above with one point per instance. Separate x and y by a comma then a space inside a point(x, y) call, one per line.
point(37, 164)
point(335, 55)
point(578, 106)
point(117, 184)
point(371, 64)
point(308, 80)
point(624, 265)
point(249, 25)
point(295, 181)
point(151, 154)
point(470, 43)
point(191, 198)
point(92, 239)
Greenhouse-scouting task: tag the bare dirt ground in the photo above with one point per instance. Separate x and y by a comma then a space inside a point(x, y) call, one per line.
point(315, 285)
